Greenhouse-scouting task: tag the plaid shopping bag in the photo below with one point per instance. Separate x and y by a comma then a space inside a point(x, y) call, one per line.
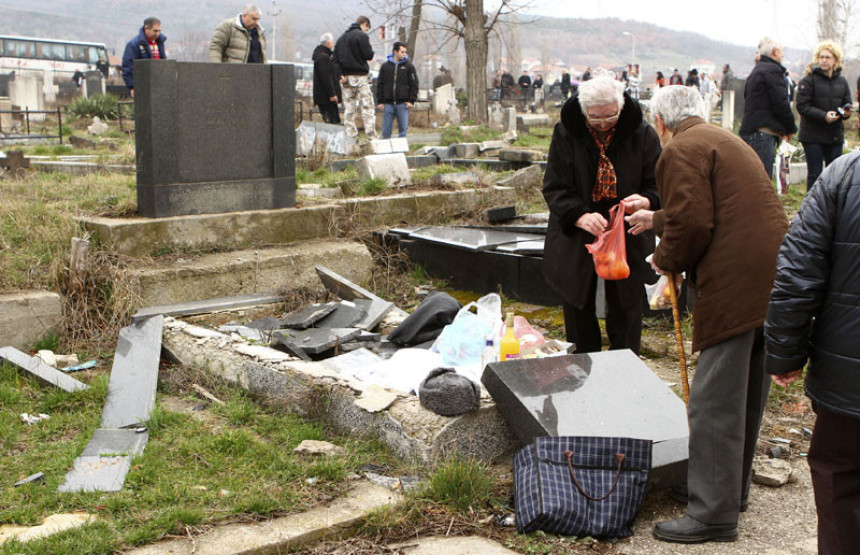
point(581, 486)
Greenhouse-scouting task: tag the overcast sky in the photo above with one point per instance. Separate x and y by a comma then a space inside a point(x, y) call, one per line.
point(741, 22)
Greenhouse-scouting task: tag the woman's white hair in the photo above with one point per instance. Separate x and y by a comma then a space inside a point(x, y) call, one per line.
point(766, 46)
point(676, 103)
point(600, 91)
point(326, 38)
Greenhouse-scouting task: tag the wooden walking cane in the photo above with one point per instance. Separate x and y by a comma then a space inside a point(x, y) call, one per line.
point(679, 338)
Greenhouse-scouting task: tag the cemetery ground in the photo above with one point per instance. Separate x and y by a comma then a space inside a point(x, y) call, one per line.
point(209, 464)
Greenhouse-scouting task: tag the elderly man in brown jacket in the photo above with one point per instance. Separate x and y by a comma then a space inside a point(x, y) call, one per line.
point(722, 223)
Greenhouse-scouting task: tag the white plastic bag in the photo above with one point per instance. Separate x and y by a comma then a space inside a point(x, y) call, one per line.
point(462, 341)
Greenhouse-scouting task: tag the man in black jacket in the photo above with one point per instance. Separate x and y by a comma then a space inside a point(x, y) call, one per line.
point(814, 316)
point(396, 90)
point(350, 59)
point(326, 82)
point(767, 112)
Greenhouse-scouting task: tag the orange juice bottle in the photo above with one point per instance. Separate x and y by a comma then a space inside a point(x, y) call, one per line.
point(509, 348)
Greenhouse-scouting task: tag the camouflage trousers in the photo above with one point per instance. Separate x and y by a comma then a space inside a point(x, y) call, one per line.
point(357, 95)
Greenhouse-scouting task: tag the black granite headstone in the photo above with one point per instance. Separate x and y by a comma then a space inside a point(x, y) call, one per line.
point(213, 138)
point(610, 394)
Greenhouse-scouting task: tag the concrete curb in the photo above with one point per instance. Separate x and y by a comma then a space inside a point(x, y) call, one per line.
point(279, 535)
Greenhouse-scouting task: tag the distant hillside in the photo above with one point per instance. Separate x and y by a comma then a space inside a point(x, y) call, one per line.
point(188, 24)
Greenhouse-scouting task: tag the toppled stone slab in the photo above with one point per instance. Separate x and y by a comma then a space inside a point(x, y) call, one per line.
point(519, 155)
point(134, 376)
point(82, 143)
point(526, 178)
point(314, 447)
point(390, 167)
point(534, 120)
point(441, 153)
point(491, 145)
point(280, 535)
point(47, 374)
point(349, 291)
point(331, 138)
point(97, 473)
point(771, 472)
point(345, 315)
point(27, 316)
point(319, 191)
point(208, 305)
point(388, 146)
point(467, 150)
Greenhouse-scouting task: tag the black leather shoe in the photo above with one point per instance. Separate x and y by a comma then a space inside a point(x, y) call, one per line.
point(689, 530)
point(679, 493)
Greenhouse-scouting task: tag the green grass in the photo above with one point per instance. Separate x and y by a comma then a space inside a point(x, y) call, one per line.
point(537, 137)
point(454, 135)
point(459, 484)
point(190, 473)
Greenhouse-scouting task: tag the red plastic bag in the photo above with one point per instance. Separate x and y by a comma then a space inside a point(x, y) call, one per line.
point(610, 249)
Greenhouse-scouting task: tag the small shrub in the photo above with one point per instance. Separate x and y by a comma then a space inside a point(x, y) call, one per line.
point(103, 105)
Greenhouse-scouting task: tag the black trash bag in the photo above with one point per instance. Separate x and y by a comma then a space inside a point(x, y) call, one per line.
point(436, 311)
point(447, 393)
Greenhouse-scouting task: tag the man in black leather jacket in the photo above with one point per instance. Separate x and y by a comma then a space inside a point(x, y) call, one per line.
point(814, 315)
point(767, 112)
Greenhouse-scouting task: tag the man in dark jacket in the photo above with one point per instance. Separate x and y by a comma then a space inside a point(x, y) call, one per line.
point(148, 44)
point(767, 113)
point(814, 316)
point(396, 90)
point(507, 84)
point(525, 83)
point(565, 83)
point(326, 82)
point(350, 59)
point(721, 223)
point(602, 152)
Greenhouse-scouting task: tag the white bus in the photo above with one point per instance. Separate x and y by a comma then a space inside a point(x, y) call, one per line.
point(22, 54)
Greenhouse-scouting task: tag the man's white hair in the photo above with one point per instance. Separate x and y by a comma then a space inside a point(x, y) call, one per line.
point(766, 46)
point(251, 8)
point(676, 103)
point(326, 38)
point(600, 91)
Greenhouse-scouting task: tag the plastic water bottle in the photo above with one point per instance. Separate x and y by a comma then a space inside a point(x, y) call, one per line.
point(489, 354)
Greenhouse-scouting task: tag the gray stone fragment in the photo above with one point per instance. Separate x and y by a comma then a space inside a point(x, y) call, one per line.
point(457, 179)
point(526, 178)
point(390, 167)
point(331, 138)
point(467, 150)
point(41, 370)
point(288, 346)
point(317, 340)
point(267, 323)
point(491, 145)
point(771, 472)
point(374, 311)
point(519, 155)
point(134, 375)
point(347, 363)
point(307, 316)
point(208, 305)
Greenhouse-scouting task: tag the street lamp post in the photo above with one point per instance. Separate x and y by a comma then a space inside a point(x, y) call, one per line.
point(633, 49)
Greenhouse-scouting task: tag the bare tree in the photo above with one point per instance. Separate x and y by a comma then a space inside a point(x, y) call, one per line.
point(834, 20)
point(473, 25)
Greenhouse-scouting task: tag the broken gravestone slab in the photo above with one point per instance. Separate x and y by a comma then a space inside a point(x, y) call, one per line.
point(376, 398)
point(314, 341)
point(307, 316)
point(392, 168)
point(314, 447)
point(467, 150)
point(345, 315)
point(41, 370)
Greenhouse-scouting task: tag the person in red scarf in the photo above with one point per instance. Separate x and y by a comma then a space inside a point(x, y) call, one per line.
point(148, 44)
point(602, 152)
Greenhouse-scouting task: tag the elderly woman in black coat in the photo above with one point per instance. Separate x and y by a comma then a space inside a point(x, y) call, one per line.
point(823, 101)
point(602, 152)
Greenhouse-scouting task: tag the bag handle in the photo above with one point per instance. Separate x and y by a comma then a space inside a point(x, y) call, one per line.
point(616, 211)
point(618, 456)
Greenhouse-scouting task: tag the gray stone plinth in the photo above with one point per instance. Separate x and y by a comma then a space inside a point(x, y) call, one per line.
point(27, 316)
